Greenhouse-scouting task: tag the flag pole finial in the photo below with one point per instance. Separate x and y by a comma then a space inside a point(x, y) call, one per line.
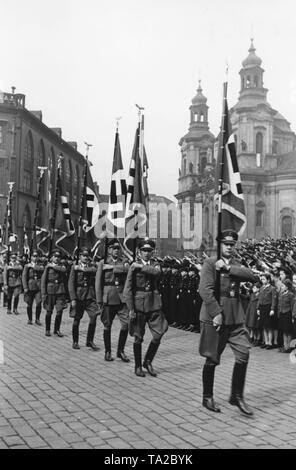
point(87, 148)
point(140, 109)
point(117, 123)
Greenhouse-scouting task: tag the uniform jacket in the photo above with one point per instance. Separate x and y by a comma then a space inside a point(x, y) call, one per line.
point(81, 283)
point(31, 276)
point(286, 302)
point(53, 280)
point(141, 288)
point(110, 280)
point(230, 307)
point(12, 275)
point(268, 296)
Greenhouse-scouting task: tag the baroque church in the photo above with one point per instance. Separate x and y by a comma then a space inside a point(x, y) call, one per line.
point(266, 151)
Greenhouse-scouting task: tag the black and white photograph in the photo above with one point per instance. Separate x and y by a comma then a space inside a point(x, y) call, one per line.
point(148, 227)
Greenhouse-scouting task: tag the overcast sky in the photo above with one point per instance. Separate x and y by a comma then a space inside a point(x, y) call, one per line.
point(84, 63)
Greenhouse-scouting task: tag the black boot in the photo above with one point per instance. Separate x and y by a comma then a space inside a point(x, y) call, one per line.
point(149, 356)
point(121, 343)
point(90, 337)
point(75, 335)
point(47, 324)
point(138, 360)
point(30, 315)
point(57, 325)
point(208, 374)
point(237, 388)
point(107, 344)
point(37, 314)
point(15, 306)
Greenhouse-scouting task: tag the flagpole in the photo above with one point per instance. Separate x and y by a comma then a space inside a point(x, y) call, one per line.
point(9, 219)
point(140, 142)
point(42, 170)
point(82, 208)
point(220, 186)
point(55, 205)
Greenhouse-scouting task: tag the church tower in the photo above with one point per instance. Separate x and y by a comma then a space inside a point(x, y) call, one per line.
point(196, 168)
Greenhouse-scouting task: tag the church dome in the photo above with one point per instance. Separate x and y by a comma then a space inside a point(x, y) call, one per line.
point(199, 97)
point(252, 59)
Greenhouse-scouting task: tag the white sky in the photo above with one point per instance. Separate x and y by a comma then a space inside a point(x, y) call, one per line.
point(84, 63)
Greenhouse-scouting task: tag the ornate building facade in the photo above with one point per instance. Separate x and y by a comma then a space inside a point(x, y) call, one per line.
point(26, 143)
point(266, 150)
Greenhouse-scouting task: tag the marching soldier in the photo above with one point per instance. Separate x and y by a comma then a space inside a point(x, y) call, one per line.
point(12, 276)
point(143, 299)
point(53, 292)
point(223, 322)
point(31, 279)
point(110, 279)
point(81, 287)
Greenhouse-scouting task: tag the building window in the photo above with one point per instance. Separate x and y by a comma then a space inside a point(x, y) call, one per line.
point(1, 136)
point(3, 176)
point(195, 117)
point(202, 118)
point(191, 215)
point(275, 147)
point(256, 81)
point(287, 226)
point(248, 83)
point(68, 178)
point(184, 166)
point(28, 164)
point(259, 218)
point(259, 143)
point(51, 178)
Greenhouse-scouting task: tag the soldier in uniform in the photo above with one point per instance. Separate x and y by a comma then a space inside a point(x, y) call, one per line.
point(31, 279)
point(53, 292)
point(223, 322)
point(81, 288)
point(12, 276)
point(141, 293)
point(110, 279)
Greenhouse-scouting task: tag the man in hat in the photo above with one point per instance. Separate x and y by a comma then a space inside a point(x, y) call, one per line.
point(81, 288)
point(110, 279)
point(145, 306)
point(31, 279)
point(12, 278)
point(53, 291)
point(223, 322)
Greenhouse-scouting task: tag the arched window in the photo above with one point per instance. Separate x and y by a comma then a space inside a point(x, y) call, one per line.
point(195, 117)
point(256, 81)
point(259, 143)
point(26, 223)
point(40, 162)
point(202, 118)
point(259, 218)
point(203, 164)
point(51, 178)
point(28, 163)
point(68, 181)
point(248, 82)
point(76, 188)
point(287, 226)
point(207, 219)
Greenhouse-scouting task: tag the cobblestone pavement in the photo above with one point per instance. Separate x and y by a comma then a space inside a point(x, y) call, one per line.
point(54, 397)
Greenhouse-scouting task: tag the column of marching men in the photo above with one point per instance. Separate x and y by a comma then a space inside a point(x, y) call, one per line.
point(151, 292)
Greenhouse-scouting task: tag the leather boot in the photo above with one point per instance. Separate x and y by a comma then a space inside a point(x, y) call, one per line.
point(47, 323)
point(37, 314)
point(29, 313)
point(237, 388)
point(149, 356)
point(107, 345)
point(138, 360)
point(121, 343)
point(90, 337)
point(75, 335)
point(57, 325)
point(208, 374)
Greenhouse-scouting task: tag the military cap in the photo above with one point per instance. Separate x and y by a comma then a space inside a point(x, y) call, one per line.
point(146, 244)
point(113, 243)
point(228, 236)
point(56, 252)
point(84, 250)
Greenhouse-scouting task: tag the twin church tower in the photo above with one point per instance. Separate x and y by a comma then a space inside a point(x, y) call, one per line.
point(266, 151)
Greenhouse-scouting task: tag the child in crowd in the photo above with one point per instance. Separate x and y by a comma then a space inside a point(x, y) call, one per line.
point(285, 307)
point(252, 318)
point(266, 309)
